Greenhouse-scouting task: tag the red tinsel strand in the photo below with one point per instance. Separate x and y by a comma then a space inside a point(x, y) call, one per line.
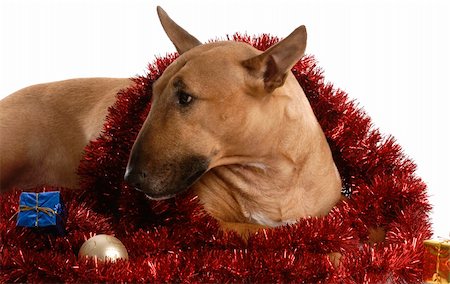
point(175, 241)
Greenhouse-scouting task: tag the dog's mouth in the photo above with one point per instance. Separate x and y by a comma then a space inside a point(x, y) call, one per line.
point(172, 193)
point(178, 180)
point(159, 197)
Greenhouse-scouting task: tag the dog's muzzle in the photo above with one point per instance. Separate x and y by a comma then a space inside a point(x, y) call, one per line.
point(167, 180)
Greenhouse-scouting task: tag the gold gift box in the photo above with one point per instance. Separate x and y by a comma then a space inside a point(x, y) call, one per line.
point(436, 261)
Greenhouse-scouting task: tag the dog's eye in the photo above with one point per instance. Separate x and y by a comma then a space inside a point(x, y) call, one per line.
point(184, 98)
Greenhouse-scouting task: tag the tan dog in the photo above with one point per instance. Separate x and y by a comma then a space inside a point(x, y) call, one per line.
point(227, 120)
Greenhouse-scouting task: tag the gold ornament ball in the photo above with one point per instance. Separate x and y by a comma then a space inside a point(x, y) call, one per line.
point(104, 247)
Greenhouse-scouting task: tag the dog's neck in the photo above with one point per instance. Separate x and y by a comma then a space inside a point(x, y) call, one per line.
point(292, 177)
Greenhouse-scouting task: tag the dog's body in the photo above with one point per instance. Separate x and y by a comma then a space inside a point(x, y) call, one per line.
point(44, 128)
point(227, 120)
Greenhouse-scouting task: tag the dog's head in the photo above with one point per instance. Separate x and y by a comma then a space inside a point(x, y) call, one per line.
point(211, 107)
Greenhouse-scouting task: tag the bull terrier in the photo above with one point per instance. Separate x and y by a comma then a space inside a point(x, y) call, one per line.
point(227, 120)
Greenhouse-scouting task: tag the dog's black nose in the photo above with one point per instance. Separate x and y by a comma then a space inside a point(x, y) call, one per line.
point(135, 178)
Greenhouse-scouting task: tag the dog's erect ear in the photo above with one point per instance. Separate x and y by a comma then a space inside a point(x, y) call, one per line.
point(274, 64)
point(182, 40)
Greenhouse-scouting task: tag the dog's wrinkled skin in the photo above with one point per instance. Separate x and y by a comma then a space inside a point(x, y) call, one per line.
point(233, 124)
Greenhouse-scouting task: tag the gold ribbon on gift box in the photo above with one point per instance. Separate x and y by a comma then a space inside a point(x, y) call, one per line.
point(441, 251)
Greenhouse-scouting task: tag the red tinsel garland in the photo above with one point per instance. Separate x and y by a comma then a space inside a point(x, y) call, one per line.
point(175, 241)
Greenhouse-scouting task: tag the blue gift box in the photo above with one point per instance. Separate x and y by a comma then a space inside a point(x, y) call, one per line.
point(44, 209)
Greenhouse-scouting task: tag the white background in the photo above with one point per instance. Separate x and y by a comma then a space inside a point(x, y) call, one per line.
point(392, 56)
